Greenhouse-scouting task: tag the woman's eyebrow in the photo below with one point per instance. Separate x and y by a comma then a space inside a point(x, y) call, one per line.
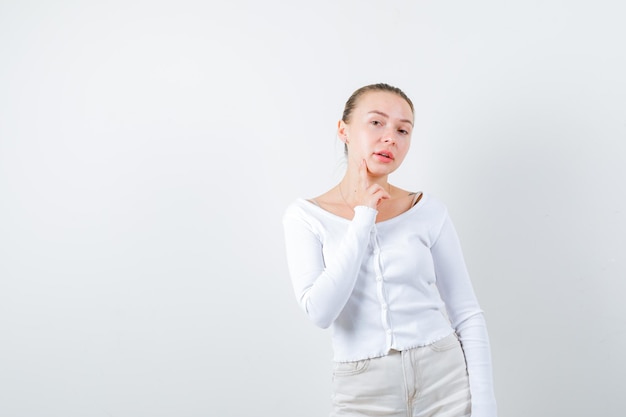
point(387, 116)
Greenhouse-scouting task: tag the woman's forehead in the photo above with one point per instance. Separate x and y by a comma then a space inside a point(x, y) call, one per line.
point(385, 102)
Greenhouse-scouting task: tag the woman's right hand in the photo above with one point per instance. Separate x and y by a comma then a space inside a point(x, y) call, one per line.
point(368, 194)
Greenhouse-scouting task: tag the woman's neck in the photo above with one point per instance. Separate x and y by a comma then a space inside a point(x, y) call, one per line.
point(351, 180)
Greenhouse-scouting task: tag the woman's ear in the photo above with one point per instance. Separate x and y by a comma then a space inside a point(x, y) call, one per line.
point(342, 131)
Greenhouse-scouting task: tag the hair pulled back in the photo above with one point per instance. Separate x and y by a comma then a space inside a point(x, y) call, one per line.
point(354, 98)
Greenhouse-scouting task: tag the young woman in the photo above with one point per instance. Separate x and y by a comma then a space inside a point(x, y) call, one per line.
point(383, 267)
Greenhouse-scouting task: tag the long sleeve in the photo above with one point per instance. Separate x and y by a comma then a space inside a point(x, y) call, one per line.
point(324, 280)
point(466, 317)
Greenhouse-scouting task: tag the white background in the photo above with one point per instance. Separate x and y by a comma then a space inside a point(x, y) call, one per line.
point(149, 148)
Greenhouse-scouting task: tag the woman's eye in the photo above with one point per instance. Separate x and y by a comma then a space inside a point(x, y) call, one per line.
point(404, 132)
point(376, 123)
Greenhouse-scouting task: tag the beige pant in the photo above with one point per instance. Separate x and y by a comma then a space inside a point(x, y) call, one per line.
point(429, 381)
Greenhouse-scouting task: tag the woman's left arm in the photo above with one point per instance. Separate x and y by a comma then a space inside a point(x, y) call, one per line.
point(466, 316)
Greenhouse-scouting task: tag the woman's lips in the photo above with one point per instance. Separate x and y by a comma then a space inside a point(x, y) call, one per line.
point(384, 156)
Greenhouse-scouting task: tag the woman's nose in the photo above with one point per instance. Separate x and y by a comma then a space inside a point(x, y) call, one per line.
point(389, 135)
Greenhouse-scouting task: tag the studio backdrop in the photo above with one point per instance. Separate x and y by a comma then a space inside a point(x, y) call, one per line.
point(148, 150)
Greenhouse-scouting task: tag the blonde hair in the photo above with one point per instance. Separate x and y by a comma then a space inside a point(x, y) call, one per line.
point(354, 98)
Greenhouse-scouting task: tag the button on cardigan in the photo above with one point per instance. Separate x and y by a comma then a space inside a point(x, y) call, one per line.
point(395, 284)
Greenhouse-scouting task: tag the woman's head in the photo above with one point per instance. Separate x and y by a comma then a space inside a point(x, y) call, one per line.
point(376, 127)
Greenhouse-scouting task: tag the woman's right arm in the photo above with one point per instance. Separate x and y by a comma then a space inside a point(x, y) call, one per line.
point(323, 284)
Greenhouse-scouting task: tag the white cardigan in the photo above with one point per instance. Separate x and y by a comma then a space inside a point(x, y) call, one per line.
point(395, 284)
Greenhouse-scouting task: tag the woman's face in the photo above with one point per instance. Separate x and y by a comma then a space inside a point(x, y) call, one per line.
point(379, 131)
